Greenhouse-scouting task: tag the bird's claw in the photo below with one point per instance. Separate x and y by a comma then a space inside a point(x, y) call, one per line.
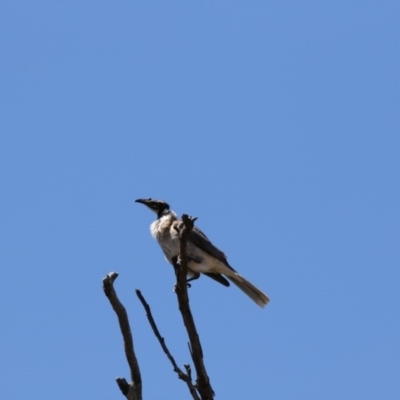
point(188, 285)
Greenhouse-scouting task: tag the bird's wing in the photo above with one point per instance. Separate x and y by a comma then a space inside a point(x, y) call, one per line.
point(217, 277)
point(198, 238)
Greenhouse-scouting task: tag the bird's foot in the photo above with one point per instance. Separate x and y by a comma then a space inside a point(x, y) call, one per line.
point(188, 285)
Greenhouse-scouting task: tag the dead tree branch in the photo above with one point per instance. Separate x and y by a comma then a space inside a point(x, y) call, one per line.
point(133, 390)
point(181, 375)
point(202, 390)
point(203, 382)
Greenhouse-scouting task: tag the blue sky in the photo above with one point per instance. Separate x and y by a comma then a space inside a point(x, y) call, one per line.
point(275, 123)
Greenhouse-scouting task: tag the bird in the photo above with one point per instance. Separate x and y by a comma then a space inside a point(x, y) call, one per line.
point(203, 257)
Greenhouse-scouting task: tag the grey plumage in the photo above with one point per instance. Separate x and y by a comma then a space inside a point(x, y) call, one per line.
point(203, 256)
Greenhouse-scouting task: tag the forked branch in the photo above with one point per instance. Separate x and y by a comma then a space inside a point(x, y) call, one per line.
point(187, 378)
point(133, 390)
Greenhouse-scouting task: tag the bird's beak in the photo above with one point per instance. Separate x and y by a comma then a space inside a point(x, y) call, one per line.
point(142, 201)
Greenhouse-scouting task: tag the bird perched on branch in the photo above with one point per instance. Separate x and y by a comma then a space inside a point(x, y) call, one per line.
point(203, 256)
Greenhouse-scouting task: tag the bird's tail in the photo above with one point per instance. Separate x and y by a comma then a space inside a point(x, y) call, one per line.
point(255, 294)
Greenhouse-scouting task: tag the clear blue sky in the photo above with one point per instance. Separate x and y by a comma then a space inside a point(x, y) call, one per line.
point(276, 123)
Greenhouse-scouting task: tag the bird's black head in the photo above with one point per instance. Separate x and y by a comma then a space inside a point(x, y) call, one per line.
point(158, 206)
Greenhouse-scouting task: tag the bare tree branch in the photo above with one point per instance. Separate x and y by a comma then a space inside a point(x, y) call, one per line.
point(203, 382)
point(185, 377)
point(132, 391)
point(123, 386)
point(202, 390)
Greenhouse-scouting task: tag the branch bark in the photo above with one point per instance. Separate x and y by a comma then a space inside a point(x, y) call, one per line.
point(203, 381)
point(133, 390)
point(187, 378)
point(202, 390)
